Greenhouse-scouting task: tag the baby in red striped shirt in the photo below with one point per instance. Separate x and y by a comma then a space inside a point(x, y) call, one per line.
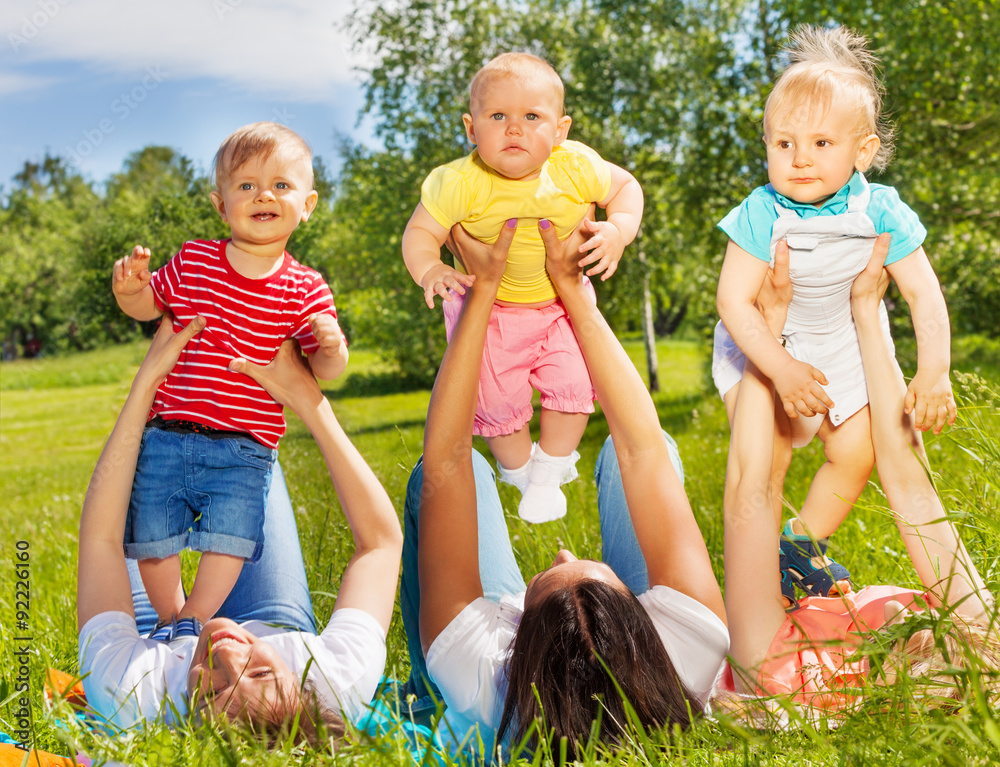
point(208, 450)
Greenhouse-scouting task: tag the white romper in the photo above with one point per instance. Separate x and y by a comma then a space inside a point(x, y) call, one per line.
point(826, 254)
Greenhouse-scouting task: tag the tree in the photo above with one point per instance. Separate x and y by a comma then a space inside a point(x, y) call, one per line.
point(44, 222)
point(386, 310)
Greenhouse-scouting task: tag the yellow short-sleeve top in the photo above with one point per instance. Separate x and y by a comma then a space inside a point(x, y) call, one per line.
point(469, 192)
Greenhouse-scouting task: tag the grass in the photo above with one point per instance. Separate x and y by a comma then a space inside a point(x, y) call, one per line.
point(55, 415)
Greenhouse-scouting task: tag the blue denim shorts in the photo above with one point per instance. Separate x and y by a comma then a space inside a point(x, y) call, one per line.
point(198, 492)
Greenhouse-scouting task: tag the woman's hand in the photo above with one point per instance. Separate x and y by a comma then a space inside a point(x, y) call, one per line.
point(286, 378)
point(165, 350)
point(484, 262)
point(871, 284)
point(776, 291)
point(562, 258)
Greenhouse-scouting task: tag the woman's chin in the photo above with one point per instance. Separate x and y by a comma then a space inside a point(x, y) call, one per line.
point(214, 626)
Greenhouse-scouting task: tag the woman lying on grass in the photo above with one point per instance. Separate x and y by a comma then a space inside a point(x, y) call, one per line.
point(811, 653)
point(279, 681)
point(555, 659)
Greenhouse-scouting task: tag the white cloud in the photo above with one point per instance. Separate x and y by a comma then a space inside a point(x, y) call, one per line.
point(14, 82)
point(296, 49)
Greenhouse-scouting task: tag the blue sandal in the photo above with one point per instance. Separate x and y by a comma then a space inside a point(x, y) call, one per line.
point(787, 584)
point(806, 564)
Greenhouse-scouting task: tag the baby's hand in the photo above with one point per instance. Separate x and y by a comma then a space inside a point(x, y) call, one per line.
point(606, 246)
point(439, 278)
point(798, 385)
point(328, 334)
point(930, 400)
point(131, 274)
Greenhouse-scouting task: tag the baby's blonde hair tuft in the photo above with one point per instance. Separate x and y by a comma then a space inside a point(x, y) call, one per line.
point(824, 63)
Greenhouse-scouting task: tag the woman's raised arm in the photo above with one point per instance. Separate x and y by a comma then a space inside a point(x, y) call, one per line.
point(448, 548)
point(369, 580)
point(102, 576)
point(937, 552)
point(668, 534)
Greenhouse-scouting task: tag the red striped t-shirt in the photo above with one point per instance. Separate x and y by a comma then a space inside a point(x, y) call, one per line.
point(245, 318)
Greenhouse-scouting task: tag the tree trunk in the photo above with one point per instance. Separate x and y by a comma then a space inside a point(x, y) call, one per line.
point(648, 334)
point(766, 39)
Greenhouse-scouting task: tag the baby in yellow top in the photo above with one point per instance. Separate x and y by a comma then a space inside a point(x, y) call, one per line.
point(524, 168)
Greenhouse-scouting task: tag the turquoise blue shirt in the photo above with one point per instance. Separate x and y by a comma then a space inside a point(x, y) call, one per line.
point(749, 224)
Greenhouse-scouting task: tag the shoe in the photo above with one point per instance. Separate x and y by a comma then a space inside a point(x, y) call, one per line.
point(787, 584)
point(163, 631)
point(543, 501)
point(806, 563)
point(187, 627)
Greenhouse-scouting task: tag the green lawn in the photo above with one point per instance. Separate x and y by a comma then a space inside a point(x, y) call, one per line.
point(55, 415)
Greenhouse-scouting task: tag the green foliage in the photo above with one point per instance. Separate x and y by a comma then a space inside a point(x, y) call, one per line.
point(385, 307)
point(44, 222)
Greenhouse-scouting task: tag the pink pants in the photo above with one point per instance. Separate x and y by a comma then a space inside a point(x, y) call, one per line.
point(525, 349)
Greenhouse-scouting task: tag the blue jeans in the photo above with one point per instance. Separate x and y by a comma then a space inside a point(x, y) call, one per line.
point(498, 569)
point(193, 491)
point(273, 589)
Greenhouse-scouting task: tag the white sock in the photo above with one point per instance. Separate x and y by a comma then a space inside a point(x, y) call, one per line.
point(543, 501)
point(519, 477)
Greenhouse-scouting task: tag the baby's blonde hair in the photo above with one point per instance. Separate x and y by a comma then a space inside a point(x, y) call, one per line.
point(257, 140)
point(524, 67)
point(829, 62)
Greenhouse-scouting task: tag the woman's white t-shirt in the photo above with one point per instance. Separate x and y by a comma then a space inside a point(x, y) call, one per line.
point(129, 679)
point(467, 659)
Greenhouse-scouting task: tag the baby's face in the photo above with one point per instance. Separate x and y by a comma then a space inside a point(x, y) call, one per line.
point(813, 150)
point(265, 199)
point(515, 125)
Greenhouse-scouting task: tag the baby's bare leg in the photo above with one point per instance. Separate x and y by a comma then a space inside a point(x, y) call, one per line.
point(162, 579)
point(217, 574)
point(560, 433)
point(840, 481)
point(512, 451)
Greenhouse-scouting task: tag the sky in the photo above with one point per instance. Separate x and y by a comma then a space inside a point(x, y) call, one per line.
point(95, 80)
